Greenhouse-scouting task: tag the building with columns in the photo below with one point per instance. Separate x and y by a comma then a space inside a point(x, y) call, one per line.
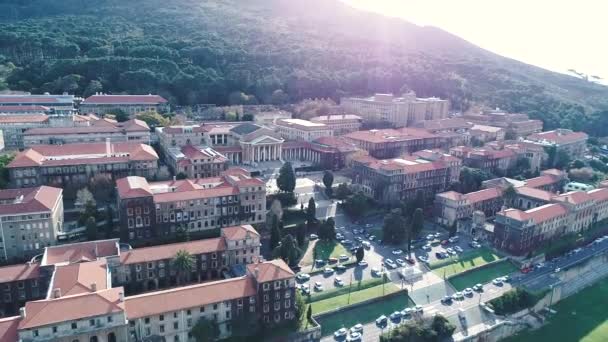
point(298, 129)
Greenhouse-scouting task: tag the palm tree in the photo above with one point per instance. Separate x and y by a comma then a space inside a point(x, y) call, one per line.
point(509, 194)
point(183, 262)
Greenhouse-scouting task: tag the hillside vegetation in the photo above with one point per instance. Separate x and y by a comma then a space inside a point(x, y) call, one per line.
point(196, 51)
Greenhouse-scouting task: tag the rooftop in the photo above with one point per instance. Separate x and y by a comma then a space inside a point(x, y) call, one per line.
point(19, 272)
point(339, 117)
point(124, 99)
point(535, 193)
point(36, 99)
point(443, 124)
point(485, 128)
point(301, 124)
point(537, 215)
point(29, 200)
point(8, 328)
point(271, 270)
point(14, 119)
point(558, 136)
point(98, 126)
point(80, 251)
point(79, 278)
point(406, 164)
point(390, 135)
point(164, 252)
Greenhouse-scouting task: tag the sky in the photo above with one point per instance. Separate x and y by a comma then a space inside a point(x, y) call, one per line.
point(554, 34)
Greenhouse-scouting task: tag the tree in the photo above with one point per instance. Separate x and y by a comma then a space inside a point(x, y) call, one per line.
point(120, 115)
point(102, 188)
point(288, 250)
point(183, 262)
point(309, 313)
point(4, 175)
point(276, 209)
point(275, 233)
point(394, 227)
point(287, 178)
point(356, 205)
point(91, 229)
point(181, 176)
point(93, 87)
point(360, 253)
point(153, 119)
point(328, 181)
point(109, 213)
point(311, 210)
point(342, 191)
point(509, 194)
point(562, 159)
point(417, 224)
point(442, 326)
point(205, 330)
point(327, 230)
point(301, 234)
point(84, 196)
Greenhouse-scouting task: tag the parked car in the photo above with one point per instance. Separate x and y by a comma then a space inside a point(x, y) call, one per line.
point(406, 312)
point(343, 257)
point(453, 239)
point(354, 336)
point(366, 244)
point(357, 328)
point(497, 282)
point(305, 289)
point(338, 281)
point(397, 252)
point(328, 270)
point(444, 242)
point(557, 270)
point(320, 262)
point(332, 260)
point(318, 286)
point(346, 242)
point(457, 296)
point(478, 287)
point(439, 255)
point(303, 277)
point(390, 263)
point(400, 262)
point(447, 300)
point(313, 237)
point(430, 237)
point(468, 292)
point(422, 258)
point(339, 236)
point(410, 261)
point(395, 316)
point(372, 237)
point(458, 249)
point(340, 333)
point(419, 308)
point(340, 268)
point(427, 247)
point(363, 263)
point(381, 320)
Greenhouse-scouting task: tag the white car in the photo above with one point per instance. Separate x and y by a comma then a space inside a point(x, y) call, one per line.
point(339, 236)
point(397, 252)
point(406, 312)
point(328, 270)
point(362, 263)
point(430, 237)
point(305, 289)
point(354, 336)
point(372, 237)
point(357, 328)
point(303, 277)
point(450, 251)
point(342, 332)
point(343, 257)
point(458, 249)
point(313, 236)
point(390, 263)
point(423, 258)
point(427, 247)
point(497, 281)
point(478, 287)
point(468, 291)
point(400, 262)
point(318, 286)
point(419, 308)
point(338, 282)
point(457, 296)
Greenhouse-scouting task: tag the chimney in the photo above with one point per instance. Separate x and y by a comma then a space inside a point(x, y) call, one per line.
point(256, 272)
point(108, 147)
point(22, 312)
point(121, 296)
point(94, 287)
point(174, 178)
point(57, 293)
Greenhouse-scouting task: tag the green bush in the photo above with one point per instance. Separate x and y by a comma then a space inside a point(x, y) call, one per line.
point(512, 301)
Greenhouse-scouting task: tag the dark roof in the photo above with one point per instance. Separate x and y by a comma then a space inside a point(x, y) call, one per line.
point(245, 128)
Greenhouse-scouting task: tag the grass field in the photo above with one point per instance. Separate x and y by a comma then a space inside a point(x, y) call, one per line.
point(354, 297)
point(356, 286)
point(582, 317)
point(463, 262)
point(329, 249)
point(482, 276)
point(363, 314)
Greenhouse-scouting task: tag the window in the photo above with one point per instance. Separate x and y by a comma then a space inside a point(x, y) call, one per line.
point(110, 319)
point(214, 306)
point(92, 322)
point(175, 325)
point(277, 306)
point(161, 328)
point(287, 304)
point(74, 326)
point(147, 320)
point(54, 330)
point(36, 333)
point(161, 317)
point(266, 286)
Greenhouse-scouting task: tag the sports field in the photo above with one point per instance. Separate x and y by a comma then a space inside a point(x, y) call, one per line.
point(582, 317)
point(482, 275)
point(465, 261)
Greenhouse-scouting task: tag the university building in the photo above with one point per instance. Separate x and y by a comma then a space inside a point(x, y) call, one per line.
point(55, 105)
point(393, 180)
point(391, 143)
point(399, 111)
point(517, 125)
point(149, 209)
point(574, 144)
point(13, 128)
point(298, 129)
point(77, 164)
point(131, 104)
point(340, 124)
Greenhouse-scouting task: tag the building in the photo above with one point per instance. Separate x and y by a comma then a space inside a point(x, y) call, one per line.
point(398, 111)
point(151, 268)
point(160, 208)
point(574, 144)
point(130, 104)
point(340, 124)
point(25, 110)
point(242, 143)
point(266, 118)
point(453, 206)
point(98, 131)
point(391, 143)
point(13, 128)
point(57, 105)
point(486, 159)
point(20, 284)
point(331, 153)
point(192, 161)
point(515, 125)
point(393, 180)
point(77, 164)
point(483, 133)
point(30, 219)
point(298, 129)
point(445, 125)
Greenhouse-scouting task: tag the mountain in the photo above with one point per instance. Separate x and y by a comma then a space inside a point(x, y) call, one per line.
point(276, 50)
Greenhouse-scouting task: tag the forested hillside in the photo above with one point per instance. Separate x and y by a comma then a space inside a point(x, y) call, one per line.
point(276, 50)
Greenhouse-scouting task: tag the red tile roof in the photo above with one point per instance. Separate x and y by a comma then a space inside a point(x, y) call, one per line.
point(133, 186)
point(8, 329)
point(574, 197)
point(78, 252)
point(272, 270)
point(537, 215)
point(451, 195)
point(599, 194)
point(5, 119)
point(163, 252)
point(76, 307)
point(559, 136)
point(78, 154)
point(124, 99)
point(182, 129)
point(483, 195)
point(337, 143)
point(100, 126)
point(19, 272)
point(194, 296)
point(535, 193)
point(26, 108)
point(440, 124)
point(540, 181)
point(407, 164)
point(29, 200)
point(79, 278)
point(390, 135)
point(239, 232)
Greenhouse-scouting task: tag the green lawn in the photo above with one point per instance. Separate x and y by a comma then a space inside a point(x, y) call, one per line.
point(329, 249)
point(363, 314)
point(354, 297)
point(356, 286)
point(483, 275)
point(463, 262)
point(582, 317)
